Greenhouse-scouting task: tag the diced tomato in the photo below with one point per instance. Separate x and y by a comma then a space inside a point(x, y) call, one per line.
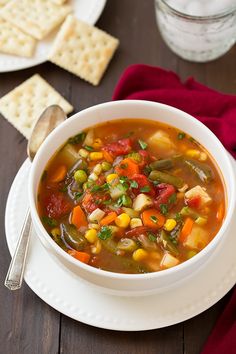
point(121, 147)
point(143, 182)
point(137, 231)
point(194, 202)
point(57, 205)
point(88, 203)
point(145, 158)
point(93, 201)
point(164, 191)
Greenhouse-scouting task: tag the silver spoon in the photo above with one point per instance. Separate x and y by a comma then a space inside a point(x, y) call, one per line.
point(49, 119)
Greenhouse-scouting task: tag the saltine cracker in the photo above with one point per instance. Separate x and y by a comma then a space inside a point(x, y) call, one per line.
point(14, 41)
point(35, 17)
point(23, 105)
point(83, 49)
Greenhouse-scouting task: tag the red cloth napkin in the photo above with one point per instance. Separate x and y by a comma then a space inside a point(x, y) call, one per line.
point(218, 112)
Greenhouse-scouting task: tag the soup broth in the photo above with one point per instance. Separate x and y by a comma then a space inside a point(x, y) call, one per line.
point(132, 196)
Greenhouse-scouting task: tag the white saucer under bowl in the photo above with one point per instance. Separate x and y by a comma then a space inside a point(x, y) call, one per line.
point(76, 299)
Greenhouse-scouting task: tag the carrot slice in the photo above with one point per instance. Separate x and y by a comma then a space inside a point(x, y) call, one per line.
point(81, 256)
point(127, 167)
point(186, 229)
point(108, 219)
point(78, 217)
point(107, 156)
point(220, 213)
point(59, 174)
point(153, 219)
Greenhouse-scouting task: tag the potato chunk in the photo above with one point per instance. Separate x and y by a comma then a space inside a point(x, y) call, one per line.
point(162, 140)
point(168, 261)
point(141, 202)
point(197, 239)
point(198, 191)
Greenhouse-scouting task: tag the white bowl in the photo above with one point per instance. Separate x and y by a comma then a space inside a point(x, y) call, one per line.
point(131, 284)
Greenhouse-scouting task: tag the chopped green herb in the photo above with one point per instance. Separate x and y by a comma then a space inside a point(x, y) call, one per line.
point(101, 188)
point(123, 166)
point(133, 184)
point(79, 138)
point(124, 200)
point(145, 189)
point(108, 202)
point(89, 148)
point(153, 218)
point(128, 135)
point(178, 217)
point(49, 221)
point(119, 202)
point(78, 195)
point(142, 144)
point(123, 179)
point(152, 237)
point(172, 198)
point(155, 183)
point(181, 136)
point(164, 209)
point(135, 156)
point(105, 233)
point(123, 187)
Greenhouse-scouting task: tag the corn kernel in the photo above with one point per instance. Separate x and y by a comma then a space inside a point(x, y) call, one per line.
point(110, 177)
point(135, 222)
point(97, 169)
point(139, 255)
point(83, 153)
point(193, 153)
point(97, 143)
point(93, 176)
point(56, 232)
point(95, 249)
point(122, 220)
point(94, 156)
point(203, 156)
point(169, 224)
point(91, 235)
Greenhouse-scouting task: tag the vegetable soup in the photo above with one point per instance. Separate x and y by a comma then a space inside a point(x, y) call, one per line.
point(132, 196)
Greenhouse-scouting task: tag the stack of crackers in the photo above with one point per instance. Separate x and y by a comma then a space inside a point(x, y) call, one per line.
point(80, 48)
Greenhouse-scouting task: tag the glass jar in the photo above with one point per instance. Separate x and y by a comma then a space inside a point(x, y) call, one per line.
point(196, 38)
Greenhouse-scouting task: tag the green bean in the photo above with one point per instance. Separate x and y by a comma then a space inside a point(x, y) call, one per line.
point(203, 171)
point(166, 178)
point(58, 240)
point(110, 245)
point(186, 211)
point(72, 237)
point(168, 244)
point(126, 244)
point(162, 164)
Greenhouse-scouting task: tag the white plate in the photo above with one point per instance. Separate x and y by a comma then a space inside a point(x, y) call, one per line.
point(76, 299)
point(86, 10)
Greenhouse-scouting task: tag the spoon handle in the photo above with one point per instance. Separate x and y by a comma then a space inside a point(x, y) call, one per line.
point(15, 272)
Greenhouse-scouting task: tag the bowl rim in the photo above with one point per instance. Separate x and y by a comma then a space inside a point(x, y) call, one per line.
point(121, 276)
